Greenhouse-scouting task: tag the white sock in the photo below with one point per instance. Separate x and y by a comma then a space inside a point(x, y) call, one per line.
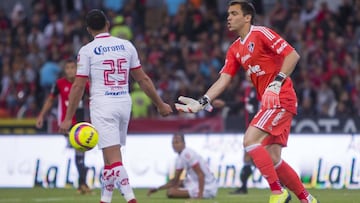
point(121, 182)
point(107, 185)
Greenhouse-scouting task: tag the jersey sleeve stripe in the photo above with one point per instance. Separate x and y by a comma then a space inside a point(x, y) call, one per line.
point(133, 68)
point(82, 76)
point(266, 32)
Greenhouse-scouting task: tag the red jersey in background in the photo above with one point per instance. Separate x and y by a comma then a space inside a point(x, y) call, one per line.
point(62, 89)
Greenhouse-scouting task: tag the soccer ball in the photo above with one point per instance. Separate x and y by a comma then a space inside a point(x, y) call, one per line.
point(83, 136)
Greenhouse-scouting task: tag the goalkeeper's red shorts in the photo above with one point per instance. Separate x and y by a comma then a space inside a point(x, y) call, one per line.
point(276, 122)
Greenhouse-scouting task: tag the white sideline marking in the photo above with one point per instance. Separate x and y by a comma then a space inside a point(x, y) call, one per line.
point(10, 200)
point(51, 199)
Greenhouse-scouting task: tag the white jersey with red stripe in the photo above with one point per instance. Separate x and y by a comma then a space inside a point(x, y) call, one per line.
point(187, 159)
point(107, 61)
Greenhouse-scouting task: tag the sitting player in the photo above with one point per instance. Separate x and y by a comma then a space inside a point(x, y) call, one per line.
point(199, 181)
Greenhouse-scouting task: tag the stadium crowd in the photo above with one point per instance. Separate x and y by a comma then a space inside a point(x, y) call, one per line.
point(182, 46)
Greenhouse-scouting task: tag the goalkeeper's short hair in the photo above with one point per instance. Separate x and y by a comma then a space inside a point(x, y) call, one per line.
point(247, 8)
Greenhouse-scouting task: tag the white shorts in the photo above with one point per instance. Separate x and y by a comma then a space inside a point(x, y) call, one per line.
point(111, 121)
point(210, 189)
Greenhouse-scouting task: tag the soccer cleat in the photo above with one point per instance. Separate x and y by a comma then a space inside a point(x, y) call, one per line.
point(239, 191)
point(84, 189)
point(284, 197)
point(312, 199)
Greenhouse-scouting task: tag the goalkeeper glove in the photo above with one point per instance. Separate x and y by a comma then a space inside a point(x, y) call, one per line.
point(191, 105)
point(270, 98)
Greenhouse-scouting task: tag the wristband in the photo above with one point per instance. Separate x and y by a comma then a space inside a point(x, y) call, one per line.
point(280, 77)
point(204, 100)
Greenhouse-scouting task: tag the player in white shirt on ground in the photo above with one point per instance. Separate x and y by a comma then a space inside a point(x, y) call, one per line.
point(106, 62)
point(199, 181)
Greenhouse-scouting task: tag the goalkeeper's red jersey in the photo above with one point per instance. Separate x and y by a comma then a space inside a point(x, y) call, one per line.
point(261, 54)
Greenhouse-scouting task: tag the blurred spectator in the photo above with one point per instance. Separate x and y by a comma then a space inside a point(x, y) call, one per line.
point(294, 28)
point(326, 101)
point(54, 28)
point(278, 16)
point(36, 37)
point(307, 98)
point(35, 56)
point(154, 14)
point(49, 72)
point(309, 12)
point(345, 107)
point(4, 20)
point(141, 102)
point(18, 14)
point(6, 82)
point(345, 11)
point(120, 29)
point(173, 6)
point(114, 5)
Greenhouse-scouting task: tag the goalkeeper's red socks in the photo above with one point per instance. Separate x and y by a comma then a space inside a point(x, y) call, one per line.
point(264, 163)
point(291, 180)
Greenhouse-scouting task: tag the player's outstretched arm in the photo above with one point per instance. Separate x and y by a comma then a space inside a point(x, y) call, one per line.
point(148, 87)
point(171, 183)
point(190, 105)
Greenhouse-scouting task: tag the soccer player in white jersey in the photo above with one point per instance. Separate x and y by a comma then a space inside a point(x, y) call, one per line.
point(199, 181)
point(106, 62)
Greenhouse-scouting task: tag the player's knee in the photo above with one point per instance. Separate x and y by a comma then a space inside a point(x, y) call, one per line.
point(275, 153)
point(247, 158)
point(249, 142)
point(275, 158)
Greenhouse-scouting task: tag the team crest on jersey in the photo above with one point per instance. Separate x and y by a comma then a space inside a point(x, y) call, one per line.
point(251, 46)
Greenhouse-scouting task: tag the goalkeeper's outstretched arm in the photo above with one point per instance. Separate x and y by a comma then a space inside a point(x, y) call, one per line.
point(190, 105)
point(219, 86)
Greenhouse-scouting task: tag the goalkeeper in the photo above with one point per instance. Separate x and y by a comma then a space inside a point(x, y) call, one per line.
point(268, 60)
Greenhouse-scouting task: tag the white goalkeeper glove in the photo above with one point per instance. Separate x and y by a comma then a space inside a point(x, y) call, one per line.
point(270, 98)
point(190, 105)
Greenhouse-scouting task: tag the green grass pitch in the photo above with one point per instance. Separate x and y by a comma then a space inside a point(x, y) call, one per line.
point(41, 195)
